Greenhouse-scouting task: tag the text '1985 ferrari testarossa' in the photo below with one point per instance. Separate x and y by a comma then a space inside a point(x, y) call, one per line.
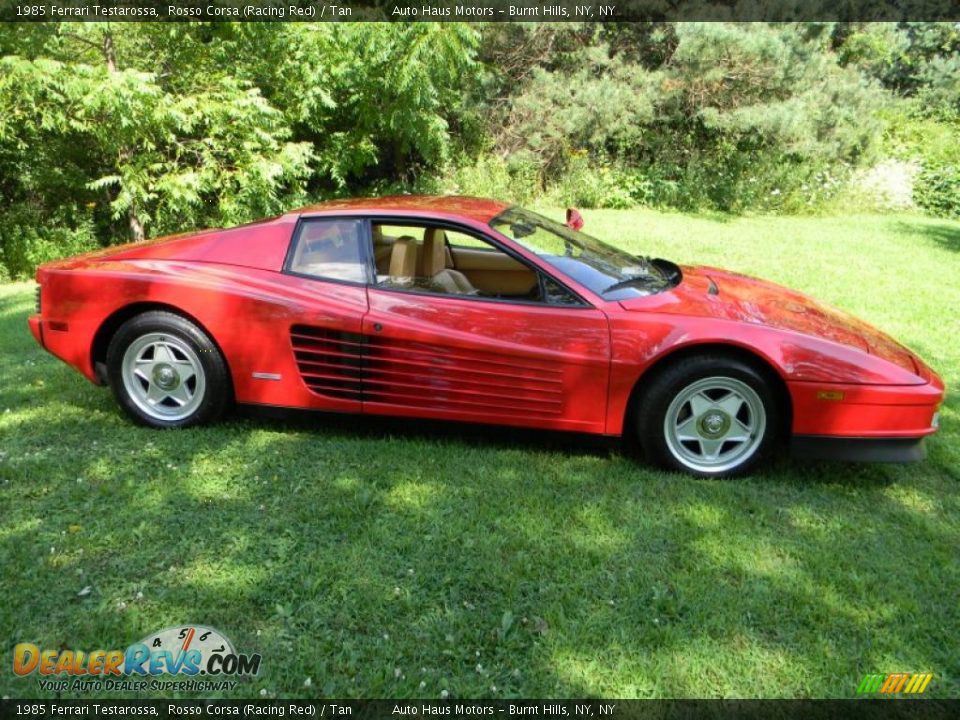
point(474, 310)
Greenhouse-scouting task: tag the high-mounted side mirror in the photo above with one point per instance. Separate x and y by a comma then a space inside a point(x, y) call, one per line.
point(574, 219)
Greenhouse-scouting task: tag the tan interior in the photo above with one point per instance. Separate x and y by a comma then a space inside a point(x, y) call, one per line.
point(382, 248)
point(403, 260)
point(434, 259)
point(459, 270)
point(494, 272)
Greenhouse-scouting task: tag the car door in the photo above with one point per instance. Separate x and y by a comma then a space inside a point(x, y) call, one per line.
point(502, 360)
point(314, 360)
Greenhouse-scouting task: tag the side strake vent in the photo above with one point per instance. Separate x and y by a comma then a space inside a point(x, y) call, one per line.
point(329, 360)
point(376, 369)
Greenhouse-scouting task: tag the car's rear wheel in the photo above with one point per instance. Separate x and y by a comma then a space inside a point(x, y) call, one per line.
point(709, 415)
point(166, 372)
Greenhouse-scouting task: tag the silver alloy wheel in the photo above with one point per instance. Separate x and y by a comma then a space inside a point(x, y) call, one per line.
point(163, 376)
point(715, 424)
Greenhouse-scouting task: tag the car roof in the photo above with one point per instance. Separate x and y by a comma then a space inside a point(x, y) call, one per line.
point(479, 209)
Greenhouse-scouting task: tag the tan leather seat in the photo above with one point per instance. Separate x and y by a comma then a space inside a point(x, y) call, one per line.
point(434, 265)
point(382, 249)
point(403, 261)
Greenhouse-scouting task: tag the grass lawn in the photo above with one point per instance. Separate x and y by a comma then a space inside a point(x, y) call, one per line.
point(389, 559)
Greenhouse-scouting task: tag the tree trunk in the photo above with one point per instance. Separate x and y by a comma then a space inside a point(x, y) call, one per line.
point(133, 220)
point(136, 226)
point(108, 52)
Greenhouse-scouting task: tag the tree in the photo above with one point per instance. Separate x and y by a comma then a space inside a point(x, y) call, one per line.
point(214, 152)
point(377, 101)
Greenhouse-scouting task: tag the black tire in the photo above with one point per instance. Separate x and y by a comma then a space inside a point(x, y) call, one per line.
point(160, 352)
point(699, 379)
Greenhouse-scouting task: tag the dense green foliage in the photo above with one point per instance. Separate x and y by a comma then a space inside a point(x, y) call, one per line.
point(739, 117)
point(117, 131)
point(920, 62)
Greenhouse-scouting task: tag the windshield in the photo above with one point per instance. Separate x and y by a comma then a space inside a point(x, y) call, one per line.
point(606, 270)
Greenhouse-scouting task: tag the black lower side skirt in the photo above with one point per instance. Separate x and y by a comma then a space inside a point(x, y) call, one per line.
point(896, 450)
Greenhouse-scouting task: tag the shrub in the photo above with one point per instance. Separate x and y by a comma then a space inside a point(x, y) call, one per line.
point(515, 178)
point(601, 107)
point(886, 186)
point(934, 144)
point(24, 246)
point(588, 185)
point(733, 118)
point(937, 189)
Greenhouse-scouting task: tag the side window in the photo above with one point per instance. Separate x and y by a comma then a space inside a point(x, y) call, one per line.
point(450, 261)
point(557, 294)
point(330, 250)
point(457, 239)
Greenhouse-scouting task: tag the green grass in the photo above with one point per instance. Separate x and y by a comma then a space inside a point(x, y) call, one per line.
point(384, 559)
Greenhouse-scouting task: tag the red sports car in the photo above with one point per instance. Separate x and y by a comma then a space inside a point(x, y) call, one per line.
point(475, 310)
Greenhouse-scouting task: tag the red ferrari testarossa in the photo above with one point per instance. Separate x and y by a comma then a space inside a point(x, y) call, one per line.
point(475, 310)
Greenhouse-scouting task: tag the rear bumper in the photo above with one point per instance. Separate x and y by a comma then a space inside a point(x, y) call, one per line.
point(895, 450)
point(36, 328)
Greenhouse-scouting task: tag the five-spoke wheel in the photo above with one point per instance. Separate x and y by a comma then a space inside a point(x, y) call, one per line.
point(163, 376)
point(166, 372)
point(715, 424)
point(712, 416)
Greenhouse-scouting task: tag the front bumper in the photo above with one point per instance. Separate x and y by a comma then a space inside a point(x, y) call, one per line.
point(893, 450)
point(839, 410)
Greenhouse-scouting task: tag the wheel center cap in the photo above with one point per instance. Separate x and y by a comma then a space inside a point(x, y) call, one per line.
point(714, 423)
point(166, 377)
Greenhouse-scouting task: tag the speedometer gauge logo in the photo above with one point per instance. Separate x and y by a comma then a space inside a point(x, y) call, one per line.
point(188, 650)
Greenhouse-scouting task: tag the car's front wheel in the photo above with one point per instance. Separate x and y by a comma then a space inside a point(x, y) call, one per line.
point(711, 416)
point(166, 372)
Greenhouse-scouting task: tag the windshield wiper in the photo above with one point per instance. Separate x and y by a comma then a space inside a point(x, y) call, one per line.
point(626, 282)
point(651, 275)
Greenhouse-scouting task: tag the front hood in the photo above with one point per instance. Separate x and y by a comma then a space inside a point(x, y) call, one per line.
point(711, 292)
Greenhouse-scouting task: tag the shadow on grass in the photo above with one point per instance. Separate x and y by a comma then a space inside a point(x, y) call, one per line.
point(381, 427)
point(946, 235)
point(715, 216)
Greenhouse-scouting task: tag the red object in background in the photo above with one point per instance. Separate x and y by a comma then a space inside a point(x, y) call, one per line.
point(574, 219)
point(296, 341)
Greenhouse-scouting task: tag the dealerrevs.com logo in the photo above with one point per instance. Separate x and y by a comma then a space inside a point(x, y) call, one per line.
point(186, 651)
